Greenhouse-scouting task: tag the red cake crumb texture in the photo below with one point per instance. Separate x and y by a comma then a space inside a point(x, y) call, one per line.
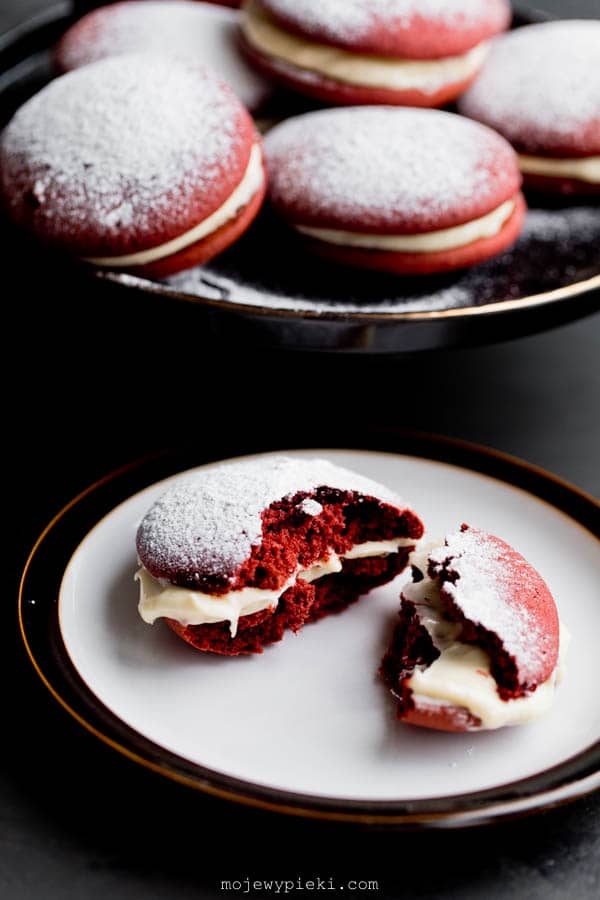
point(195, 31)
point(124, 155)
point(300, 605)
point(540, 88)
point(385, 170)
point(254, 524)
point(412, 29)
point(502, 605)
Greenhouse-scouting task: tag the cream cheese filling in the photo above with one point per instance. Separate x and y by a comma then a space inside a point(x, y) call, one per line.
point(159, 599)
point(241, 196)
point(365, 70)
point(430, 242)
point(586, 168)
point(461, 675)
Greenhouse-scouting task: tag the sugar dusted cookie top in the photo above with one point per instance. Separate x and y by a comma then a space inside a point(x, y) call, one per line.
point(388, 170)
point(499, 592)
point(203, 33)
point(420, 29)
point(540, 88)
point(124, 155)
point(208, 522)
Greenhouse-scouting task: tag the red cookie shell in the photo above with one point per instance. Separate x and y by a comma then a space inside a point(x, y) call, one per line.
point(540, 88)
point(199, 33)
point(505, 608)
point(124, 155)
point(339, 93)
point(428, 263)
point(209, 247)
point(441, 718)
point(387, 170)
point(407, 28)
point(519, 614)
point(124, 27)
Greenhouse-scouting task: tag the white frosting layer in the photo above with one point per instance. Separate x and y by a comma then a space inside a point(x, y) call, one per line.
point(586, 168)
point(160, 599)
point(247, 188)
point(461, 675)
point(430, 242)
point(364, 70)
point(188, 607)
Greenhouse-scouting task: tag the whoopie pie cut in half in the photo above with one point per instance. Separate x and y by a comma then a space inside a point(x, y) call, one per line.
point(234, 554)
point(479, 644)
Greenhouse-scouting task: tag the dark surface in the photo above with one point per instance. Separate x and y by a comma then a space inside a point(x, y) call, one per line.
point(112, 378)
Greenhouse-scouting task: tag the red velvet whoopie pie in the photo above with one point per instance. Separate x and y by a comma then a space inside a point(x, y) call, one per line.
point(409, 191)
point(233, 555)
point(479, 643)
point(137, 162)
point(540, 88)
point(201, 33)
point(349, 52)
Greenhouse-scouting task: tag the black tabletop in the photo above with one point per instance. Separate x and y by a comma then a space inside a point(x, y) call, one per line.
point(102, 378)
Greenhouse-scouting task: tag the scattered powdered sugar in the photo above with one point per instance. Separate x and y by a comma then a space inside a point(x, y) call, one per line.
point(540, 87)
point(310, 507)
point(387, 166)
point(348, 19)
point(129, 139)
point(121, 216)
point(557, 247)
point(491, 586)
point(208, 522)
point(200, 32)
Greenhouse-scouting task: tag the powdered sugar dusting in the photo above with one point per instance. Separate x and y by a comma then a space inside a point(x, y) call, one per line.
point(540, 87)
point(557, 247)
point(409, 169)
point(491, 585)
point(200, 32)
point(310, 507)
point(208, 522)
point(132, 138)
point(351, 18)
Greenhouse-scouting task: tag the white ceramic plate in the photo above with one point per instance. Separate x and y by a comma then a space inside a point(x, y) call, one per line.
point(309, 718)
